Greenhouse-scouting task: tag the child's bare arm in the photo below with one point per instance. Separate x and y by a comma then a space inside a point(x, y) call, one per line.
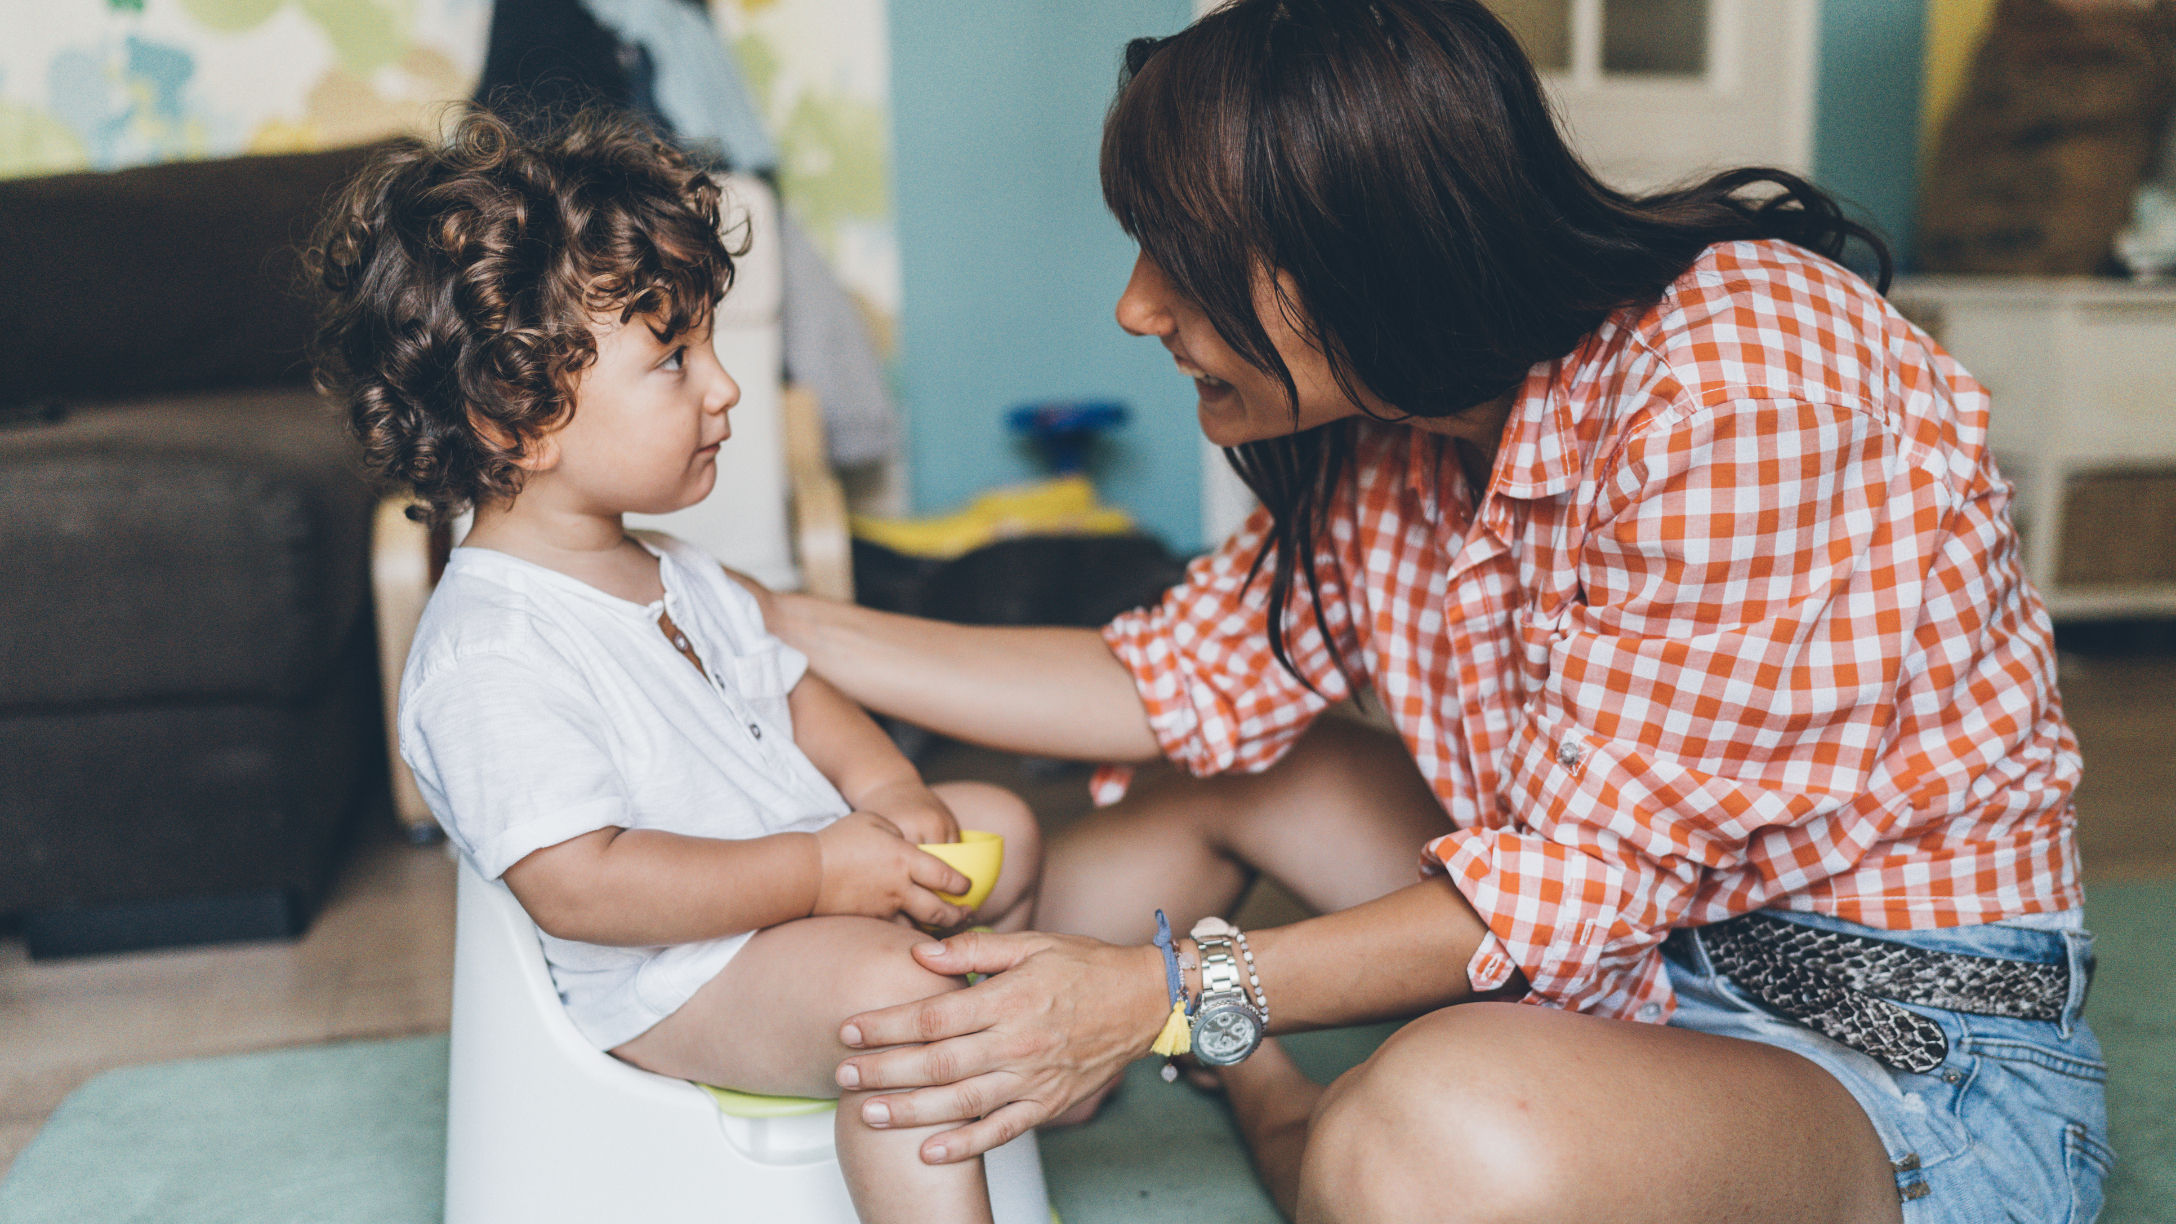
point(635, 887)
point(849, 748)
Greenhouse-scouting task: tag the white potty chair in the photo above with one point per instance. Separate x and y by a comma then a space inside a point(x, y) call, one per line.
point(543, 1128)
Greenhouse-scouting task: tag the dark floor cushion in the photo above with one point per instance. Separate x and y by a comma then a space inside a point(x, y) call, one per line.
point(201, 548)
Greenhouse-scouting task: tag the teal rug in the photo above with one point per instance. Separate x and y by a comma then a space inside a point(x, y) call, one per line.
point(355, 1134)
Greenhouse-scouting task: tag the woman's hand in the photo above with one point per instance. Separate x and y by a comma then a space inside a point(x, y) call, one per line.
point(1063, 1015)
point(868, 867)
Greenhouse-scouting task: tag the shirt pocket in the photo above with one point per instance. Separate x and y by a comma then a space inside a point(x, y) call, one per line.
point(761, 681)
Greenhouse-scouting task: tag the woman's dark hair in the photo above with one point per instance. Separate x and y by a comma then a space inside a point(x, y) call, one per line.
point(460, 278)
point(1397, 161)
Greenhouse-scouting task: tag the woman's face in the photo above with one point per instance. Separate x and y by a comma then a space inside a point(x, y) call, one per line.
point(1238, 403)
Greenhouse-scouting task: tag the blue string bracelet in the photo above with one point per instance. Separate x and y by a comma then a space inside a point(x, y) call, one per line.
point(1176, 1037)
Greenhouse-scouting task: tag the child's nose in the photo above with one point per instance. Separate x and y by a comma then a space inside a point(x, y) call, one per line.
point(724, 392)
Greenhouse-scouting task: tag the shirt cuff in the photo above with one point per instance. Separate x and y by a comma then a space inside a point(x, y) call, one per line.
point(1579, 961)
point(1491, 967)
point(1110, 783)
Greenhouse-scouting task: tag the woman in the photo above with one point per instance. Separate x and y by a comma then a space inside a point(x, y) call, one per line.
point(1677, 561)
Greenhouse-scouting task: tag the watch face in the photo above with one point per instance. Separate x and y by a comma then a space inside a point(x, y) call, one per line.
point(1225, 1034)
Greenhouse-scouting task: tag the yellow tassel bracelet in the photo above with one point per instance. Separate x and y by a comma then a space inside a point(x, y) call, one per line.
point(1177, 1036)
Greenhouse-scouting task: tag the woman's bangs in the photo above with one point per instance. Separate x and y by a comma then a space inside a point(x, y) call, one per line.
point(1168, 176)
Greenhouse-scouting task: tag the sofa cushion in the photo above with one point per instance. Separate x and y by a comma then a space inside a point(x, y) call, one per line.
point(160, 278)
point(191, 548)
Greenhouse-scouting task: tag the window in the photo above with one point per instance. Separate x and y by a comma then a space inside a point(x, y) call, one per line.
point(1611, 38)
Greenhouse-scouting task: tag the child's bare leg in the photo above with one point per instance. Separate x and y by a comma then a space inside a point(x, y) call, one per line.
point(993, 809)
point(769, 1023)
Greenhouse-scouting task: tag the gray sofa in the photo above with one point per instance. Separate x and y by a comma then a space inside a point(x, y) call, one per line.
point(189, 712)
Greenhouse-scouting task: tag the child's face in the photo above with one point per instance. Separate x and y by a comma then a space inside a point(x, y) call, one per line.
point(648, 418)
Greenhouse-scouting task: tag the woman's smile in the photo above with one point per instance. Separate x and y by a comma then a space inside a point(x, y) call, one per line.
point(1212, 390)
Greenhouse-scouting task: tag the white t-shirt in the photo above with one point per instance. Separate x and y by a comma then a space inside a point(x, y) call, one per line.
point(536, 708)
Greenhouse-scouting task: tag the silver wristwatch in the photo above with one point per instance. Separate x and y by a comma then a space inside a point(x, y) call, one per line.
point(1226, 1025)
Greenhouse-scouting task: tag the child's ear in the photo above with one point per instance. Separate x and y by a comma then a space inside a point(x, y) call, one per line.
point(536, 455)
point(539, 454)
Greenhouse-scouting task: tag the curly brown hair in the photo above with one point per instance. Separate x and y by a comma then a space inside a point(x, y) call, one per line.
point(461, 276)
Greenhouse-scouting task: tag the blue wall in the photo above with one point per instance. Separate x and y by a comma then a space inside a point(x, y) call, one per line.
point(1866, 111)
point(1010, 264)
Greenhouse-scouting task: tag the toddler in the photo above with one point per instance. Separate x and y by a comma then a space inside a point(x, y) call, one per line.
point(718, 846)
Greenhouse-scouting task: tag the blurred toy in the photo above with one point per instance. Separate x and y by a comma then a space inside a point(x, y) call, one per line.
point(1065, 429)
point(1065, 504)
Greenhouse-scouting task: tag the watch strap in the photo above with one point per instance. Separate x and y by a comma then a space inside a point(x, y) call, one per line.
point(1220, 973)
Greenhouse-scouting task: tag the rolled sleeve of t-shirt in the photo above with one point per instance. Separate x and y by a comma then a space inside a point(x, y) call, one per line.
point(509, 761)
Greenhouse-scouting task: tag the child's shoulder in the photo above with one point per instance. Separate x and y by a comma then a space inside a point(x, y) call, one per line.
point(706, 581)
point(486, 606)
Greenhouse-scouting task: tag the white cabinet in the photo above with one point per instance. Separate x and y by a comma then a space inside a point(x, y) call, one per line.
point(2083, 375)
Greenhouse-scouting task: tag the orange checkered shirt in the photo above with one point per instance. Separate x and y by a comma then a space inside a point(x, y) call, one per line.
point(1740, 622)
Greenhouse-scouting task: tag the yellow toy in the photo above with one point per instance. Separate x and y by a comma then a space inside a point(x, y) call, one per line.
point(1065, 505)
point(977, 855)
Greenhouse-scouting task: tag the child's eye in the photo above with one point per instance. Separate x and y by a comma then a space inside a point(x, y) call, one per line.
point(675, 359)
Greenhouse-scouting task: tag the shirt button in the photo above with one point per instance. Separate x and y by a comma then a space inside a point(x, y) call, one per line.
point(755, 730)
point(1650, 1012)
point(1568, 754)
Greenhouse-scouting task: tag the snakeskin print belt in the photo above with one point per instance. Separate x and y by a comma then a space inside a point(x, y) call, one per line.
point(1847, 987)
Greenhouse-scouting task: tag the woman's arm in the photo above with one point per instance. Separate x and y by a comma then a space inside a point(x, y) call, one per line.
point(1045, 692)
point(1064, 1013)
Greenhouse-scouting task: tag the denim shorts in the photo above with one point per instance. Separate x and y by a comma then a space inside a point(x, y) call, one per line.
point(2013, 1126)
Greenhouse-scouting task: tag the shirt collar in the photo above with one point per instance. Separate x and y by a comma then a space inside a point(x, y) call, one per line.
point(512, 570)
point(1541, 447)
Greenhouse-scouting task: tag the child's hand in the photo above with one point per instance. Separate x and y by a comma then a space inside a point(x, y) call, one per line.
point(915, 810)
point(870, 867)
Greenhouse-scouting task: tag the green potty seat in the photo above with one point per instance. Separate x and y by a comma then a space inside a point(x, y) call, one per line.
point(750, 1105)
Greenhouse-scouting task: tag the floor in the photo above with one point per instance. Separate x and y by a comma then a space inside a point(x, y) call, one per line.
point(378, 962)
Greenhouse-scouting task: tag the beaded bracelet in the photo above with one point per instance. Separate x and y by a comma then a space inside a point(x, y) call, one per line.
point(1254, 980)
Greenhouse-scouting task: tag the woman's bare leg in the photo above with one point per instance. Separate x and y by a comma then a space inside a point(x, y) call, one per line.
point(1494, 1111)
point(769, 1023)
point(1340, 820)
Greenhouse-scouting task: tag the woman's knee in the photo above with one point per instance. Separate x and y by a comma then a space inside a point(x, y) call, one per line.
point(1433, 1127)
point(980, 805)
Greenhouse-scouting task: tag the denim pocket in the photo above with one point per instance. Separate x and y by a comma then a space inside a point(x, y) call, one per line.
point(2086, 1162)
point(2027, 1086)
point(2058, 1061)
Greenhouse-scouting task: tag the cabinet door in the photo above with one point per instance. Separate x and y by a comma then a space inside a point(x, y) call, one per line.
point(1655, 91)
